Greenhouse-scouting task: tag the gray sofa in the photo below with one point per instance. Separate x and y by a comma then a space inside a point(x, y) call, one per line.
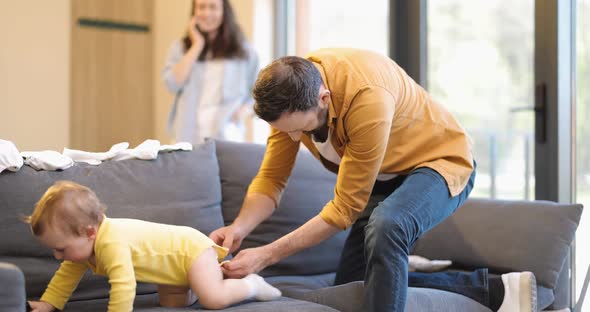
point(204, 189)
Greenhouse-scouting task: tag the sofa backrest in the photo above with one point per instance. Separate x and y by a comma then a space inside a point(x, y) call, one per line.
point(179, 188)
point(310, 187)
point(506, 236)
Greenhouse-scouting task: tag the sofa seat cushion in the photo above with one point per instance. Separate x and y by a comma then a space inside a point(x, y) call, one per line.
point(290, 283)
point(149, 303)
point(349, 298)
point(310, 187)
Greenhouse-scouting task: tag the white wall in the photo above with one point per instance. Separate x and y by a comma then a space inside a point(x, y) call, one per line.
point(35, 65)
point(34, 73)
point(170, 20)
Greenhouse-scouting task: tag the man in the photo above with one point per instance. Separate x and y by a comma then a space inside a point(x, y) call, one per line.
point(404, 164)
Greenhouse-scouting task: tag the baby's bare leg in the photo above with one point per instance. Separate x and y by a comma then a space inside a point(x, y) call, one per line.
point(175, 296)
point(214, 292)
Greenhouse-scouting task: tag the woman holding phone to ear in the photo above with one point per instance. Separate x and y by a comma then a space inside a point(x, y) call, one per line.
point(211, 70)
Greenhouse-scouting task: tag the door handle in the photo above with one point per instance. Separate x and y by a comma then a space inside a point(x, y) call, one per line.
point(540, 109)
point(517, 109)
point(541, 113)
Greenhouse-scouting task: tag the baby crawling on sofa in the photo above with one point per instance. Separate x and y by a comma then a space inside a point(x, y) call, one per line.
point(182, 261)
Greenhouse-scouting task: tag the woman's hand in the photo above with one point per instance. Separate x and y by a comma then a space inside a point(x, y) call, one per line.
point(183, 68)
point(196, 36)
point(41, 306)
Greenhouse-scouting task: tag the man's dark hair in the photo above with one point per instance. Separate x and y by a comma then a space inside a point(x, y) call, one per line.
point(289, 84)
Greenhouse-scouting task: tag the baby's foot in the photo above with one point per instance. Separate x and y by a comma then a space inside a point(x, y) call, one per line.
point(261, 290)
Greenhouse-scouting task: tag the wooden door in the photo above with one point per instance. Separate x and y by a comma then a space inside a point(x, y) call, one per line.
point(111, 73)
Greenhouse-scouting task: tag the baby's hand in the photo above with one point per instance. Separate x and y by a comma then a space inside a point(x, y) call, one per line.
point(40, 306)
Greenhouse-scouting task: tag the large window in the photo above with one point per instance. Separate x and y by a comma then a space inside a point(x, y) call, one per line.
point(320, 24)
point(583, 136)
point(341, 23)
point(480, 66)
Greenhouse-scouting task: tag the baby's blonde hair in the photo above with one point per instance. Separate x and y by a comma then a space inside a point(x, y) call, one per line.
point(70, 204)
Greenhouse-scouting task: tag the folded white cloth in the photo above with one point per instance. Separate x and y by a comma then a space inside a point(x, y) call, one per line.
point(149, 150)
point(95, 158)
point(183, 146)
point(421, 264)
point(47, 160)
point(10, 158)
point(146, 151)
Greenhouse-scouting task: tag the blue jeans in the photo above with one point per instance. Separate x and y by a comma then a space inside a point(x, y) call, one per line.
point(377, 248)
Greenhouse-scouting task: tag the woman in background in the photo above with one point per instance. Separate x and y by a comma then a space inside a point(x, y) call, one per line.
point(211, 70)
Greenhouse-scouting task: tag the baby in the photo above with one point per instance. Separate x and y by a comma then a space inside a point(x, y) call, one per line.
point(70, 219)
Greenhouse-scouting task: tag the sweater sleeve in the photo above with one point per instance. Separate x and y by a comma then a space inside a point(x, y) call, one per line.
point(116, 260)
point(276, 166)
point(175, 54)
point(63, 283)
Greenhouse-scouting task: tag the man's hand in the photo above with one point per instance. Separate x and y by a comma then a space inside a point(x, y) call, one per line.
point(41, 306)
point(251, 260)
point(255, 209)
point(229, 237)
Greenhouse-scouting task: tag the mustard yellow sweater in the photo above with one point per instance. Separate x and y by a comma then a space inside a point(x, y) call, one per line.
point(380, 121)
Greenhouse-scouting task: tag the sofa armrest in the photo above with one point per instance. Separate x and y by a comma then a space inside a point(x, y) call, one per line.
point(506, 236)
point(12, 291)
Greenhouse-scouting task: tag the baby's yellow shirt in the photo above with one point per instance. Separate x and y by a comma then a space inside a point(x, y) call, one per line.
point(128, 250)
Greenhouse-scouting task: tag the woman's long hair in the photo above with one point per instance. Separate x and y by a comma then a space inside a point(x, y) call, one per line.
point(229, 40)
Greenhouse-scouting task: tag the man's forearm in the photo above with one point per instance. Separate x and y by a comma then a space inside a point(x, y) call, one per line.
point(308, 235)
point(255, 209)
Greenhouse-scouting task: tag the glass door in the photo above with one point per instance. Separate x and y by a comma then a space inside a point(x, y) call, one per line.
point(582, 190)
point(480, 65)
point(484, 60)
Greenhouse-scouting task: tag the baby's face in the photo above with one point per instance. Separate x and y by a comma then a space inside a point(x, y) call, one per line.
point(66, 246)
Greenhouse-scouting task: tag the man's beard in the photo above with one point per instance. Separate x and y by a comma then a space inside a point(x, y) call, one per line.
point(320, 134)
